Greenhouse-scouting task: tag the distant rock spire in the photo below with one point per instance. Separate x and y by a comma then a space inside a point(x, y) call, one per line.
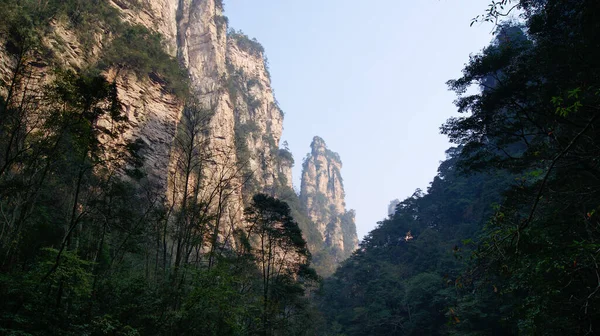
point(322, 195)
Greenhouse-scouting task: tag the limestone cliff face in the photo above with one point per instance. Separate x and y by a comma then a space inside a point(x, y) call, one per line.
point(158, 15)
point(152, 112)
point(152, 118)
point(229, 78)
point(322, 195)
point(258, 118)
point(286, 162)
point(229, 81)
point(202, 49)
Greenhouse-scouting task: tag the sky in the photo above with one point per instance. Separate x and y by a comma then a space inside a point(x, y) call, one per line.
point(369, 78)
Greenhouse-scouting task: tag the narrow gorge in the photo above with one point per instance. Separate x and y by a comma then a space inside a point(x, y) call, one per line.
point(147, 186)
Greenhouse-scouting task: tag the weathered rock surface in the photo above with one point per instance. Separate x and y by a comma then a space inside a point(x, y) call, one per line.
point(258, 118)
point(322, 194)
point(229, 78)
point(158, 15)
point(152, 113)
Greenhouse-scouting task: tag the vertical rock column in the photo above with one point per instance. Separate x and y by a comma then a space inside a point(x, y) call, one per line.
point(322, 195)
point(258, 118)
point(202, 47)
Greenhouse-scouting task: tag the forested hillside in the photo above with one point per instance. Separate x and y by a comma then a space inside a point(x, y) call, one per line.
point(143, 190)
point(506, 239)
point(406, 272)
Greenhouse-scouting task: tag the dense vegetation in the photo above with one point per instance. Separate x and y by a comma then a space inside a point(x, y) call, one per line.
point(89, 245)
point(506, 239)
point(402, 279)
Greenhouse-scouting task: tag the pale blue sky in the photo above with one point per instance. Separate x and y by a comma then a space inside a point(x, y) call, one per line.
point(369, 78)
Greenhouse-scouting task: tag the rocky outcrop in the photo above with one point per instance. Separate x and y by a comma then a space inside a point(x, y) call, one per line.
point(202, 49)
point(152, 112)
point(229, 78)
point(258, 118)
point(194, 31)
point(322, 195)
point(236, 120)
point(152, 119)
point(158, 15)
point(286, 162)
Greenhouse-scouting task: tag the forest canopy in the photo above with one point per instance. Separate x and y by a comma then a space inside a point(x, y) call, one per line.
point(506, 239)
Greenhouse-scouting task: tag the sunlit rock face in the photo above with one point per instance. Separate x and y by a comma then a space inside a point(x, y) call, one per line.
point(158, 15)
point(152, 113)
point(322, 194)
point(257, 116)
point(228, 76)
point(240, 141)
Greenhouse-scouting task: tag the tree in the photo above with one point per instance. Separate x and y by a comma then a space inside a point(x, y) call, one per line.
point(536, 117)
point(406, 278)
point(281, 254)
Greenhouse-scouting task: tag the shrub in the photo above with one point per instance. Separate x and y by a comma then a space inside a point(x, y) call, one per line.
point(252, 46)
point(140, 50)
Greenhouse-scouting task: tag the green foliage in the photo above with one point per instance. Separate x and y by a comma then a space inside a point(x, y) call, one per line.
point(73, 273)
point(253, 82)
point(348, 225)
point(241, 134)
point(216, 307)
point(251, 46)
point(320, 201)
point(84, 252)
point(247, 129)
point(239, 86)
point(230, 80)
point(285, 155)
point(311, 234)
point(407, 285)
point(333, 155)
point(537, 111)
point(527, 146)
point(131, 47)
point(138, 49)
point(277, 106)
point(85, 18)
point(283, 258)
point(219, 5)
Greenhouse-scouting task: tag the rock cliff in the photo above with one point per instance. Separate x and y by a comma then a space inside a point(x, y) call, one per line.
point(322, 195)
point(258, 119)
point(228, 114)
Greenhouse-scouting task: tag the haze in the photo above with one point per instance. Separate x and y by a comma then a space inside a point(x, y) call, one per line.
point(369, 78)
